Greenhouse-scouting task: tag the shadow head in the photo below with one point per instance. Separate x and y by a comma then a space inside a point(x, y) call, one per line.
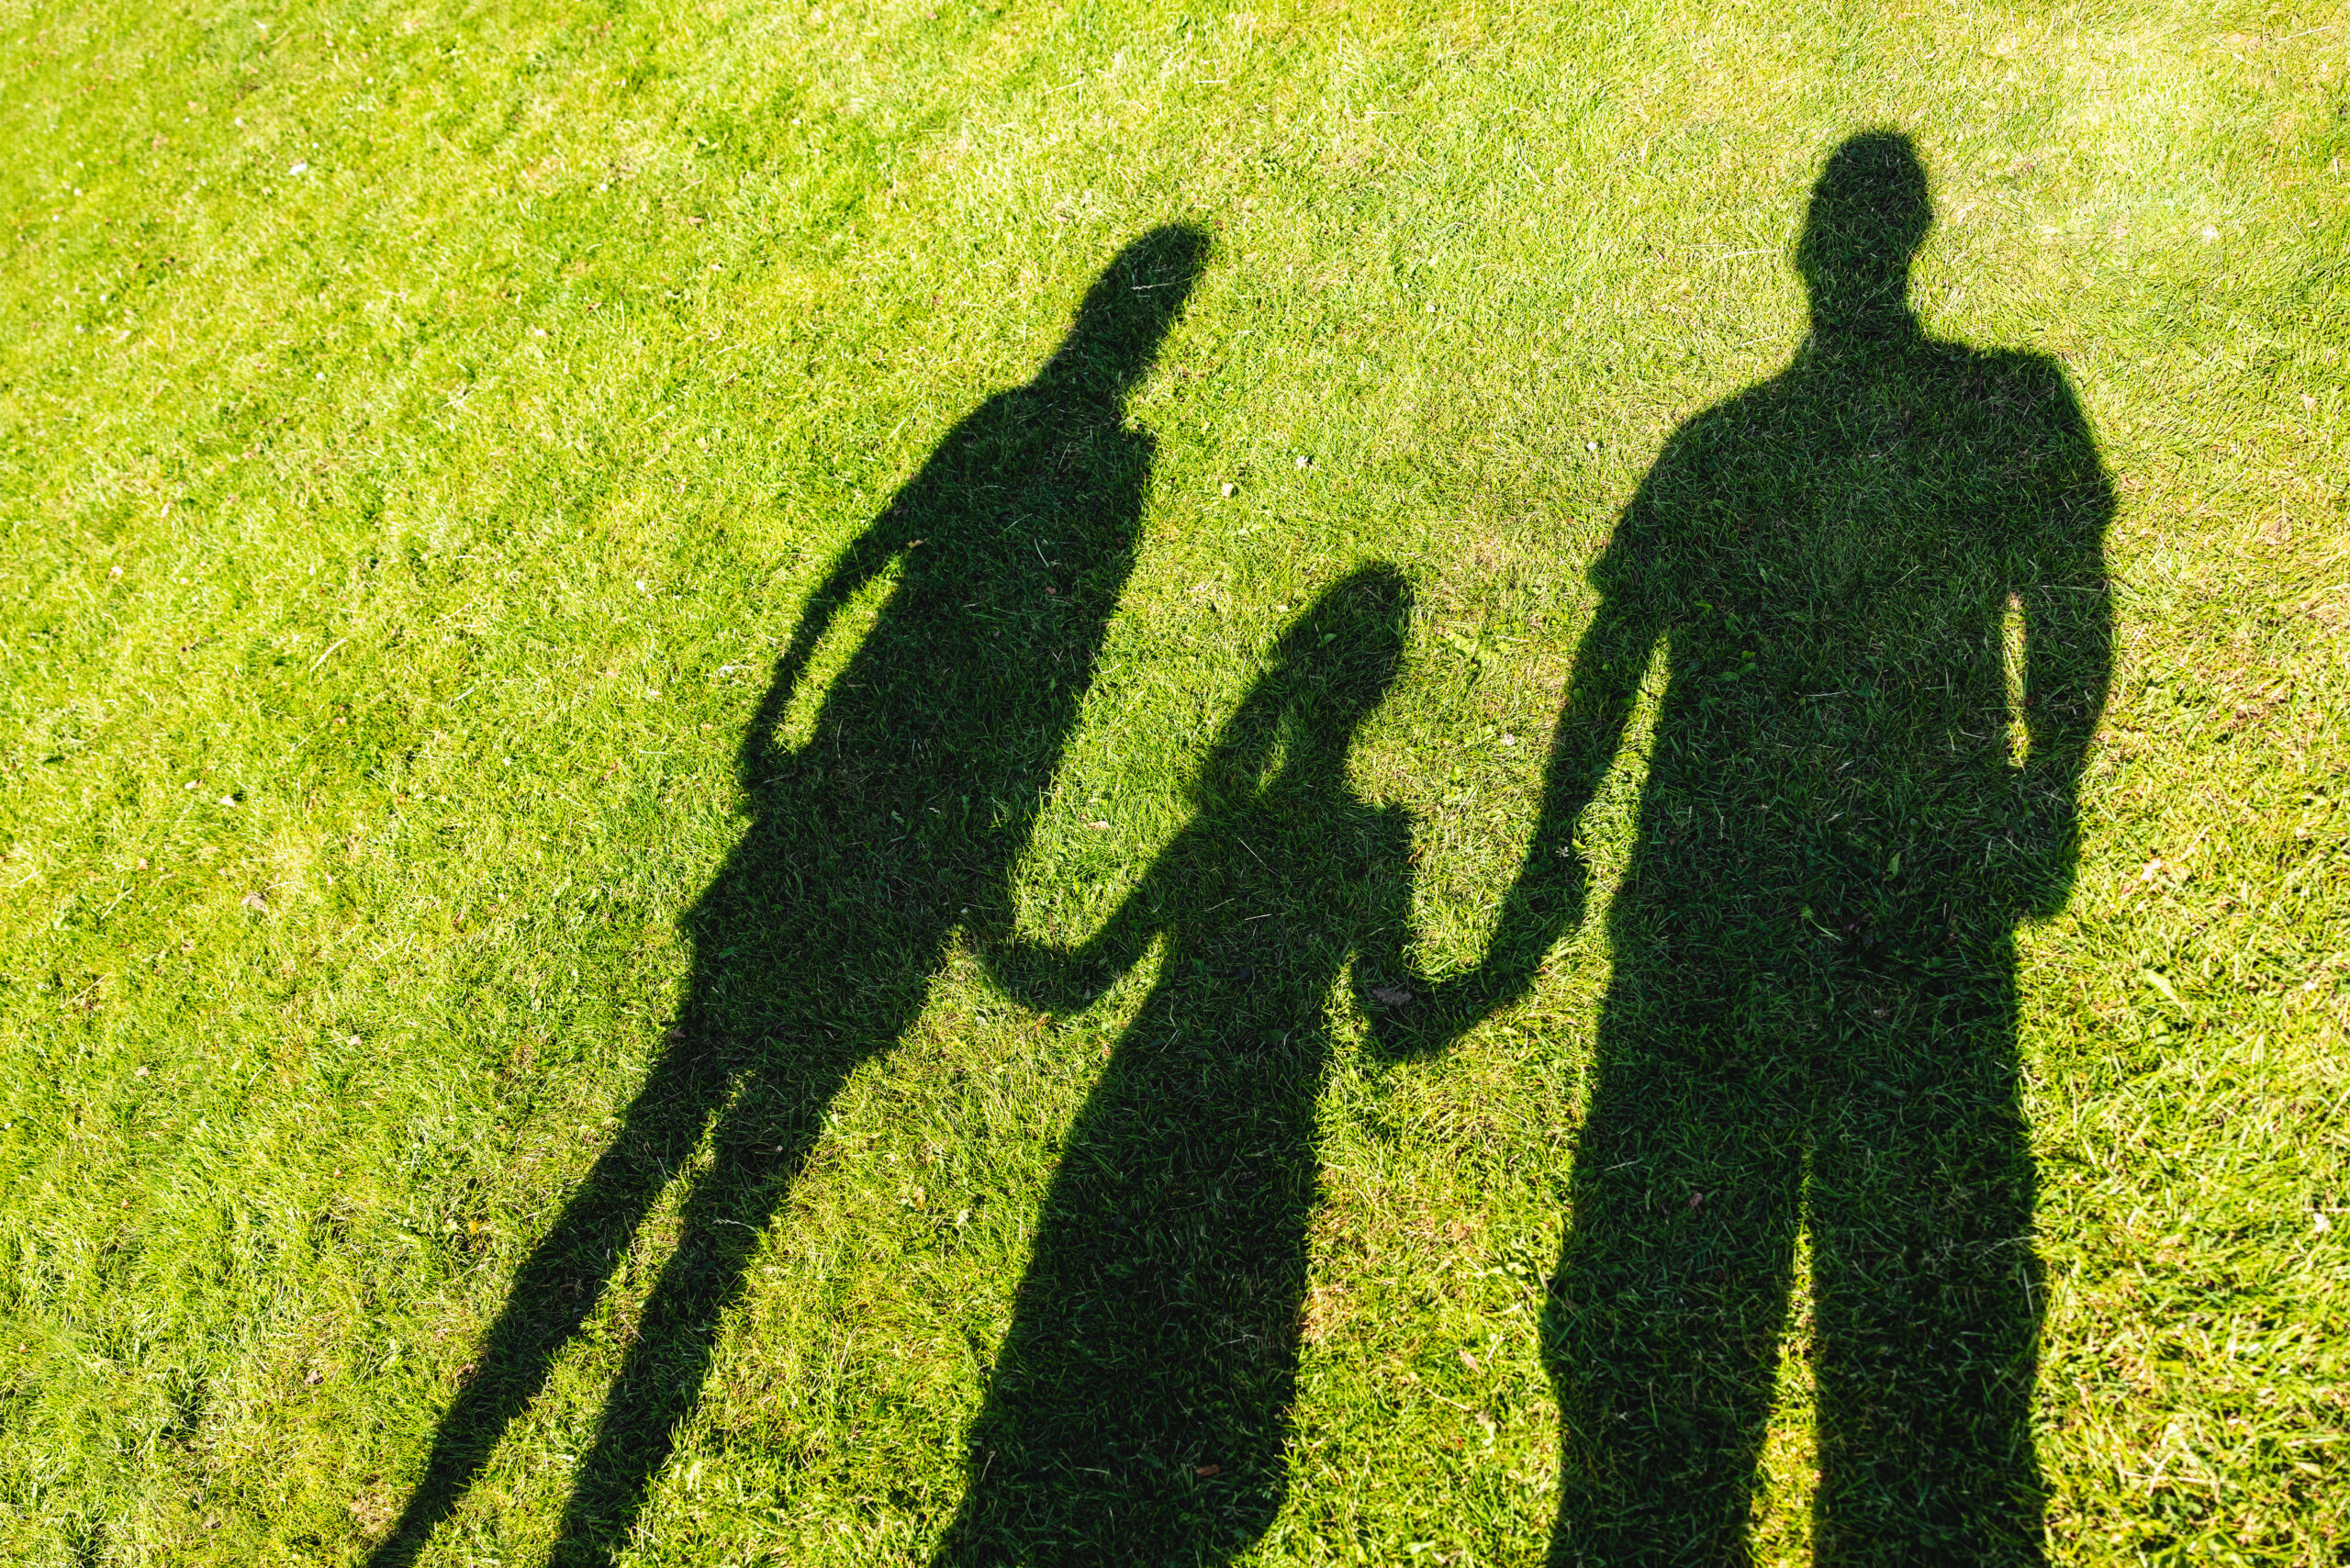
point(1127, 313)
point(1870, 211)
point(1329, 672)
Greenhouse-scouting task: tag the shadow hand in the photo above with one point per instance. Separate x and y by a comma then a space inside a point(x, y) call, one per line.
point(1041, 977)
point(1418, 1016)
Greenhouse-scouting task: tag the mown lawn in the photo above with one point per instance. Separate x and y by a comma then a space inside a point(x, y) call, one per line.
point(423, 430)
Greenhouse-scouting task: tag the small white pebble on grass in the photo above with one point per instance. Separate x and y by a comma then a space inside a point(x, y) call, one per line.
point(299, 169)
point(1230, 489)
point(189, 785)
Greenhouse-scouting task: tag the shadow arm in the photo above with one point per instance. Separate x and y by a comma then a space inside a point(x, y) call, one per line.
point(2067, 658)
point(865, 558)
point(1546, 898)
point(1047, 979)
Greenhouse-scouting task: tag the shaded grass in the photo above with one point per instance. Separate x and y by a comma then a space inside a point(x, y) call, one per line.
point(389, 999)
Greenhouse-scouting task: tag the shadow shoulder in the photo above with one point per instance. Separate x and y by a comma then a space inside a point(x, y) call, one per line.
point(1749, 405)
point(993, 437)
point(2022, 404)
point(1716, 440)
point(1715, 424)
point(2018, 378)
point(1017, 424)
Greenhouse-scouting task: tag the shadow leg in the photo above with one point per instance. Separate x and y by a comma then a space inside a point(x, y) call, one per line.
point(760, 1146)
point(560, 1284)
point(1139, 1409)
point(1662, 1334)
point(1921, 1203)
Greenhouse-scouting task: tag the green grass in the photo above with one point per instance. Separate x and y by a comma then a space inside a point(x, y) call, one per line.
point(398, 556)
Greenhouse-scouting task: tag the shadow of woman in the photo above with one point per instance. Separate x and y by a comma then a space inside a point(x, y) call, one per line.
point(1811, 1021)
point(899, 822)
point(1138, 1412)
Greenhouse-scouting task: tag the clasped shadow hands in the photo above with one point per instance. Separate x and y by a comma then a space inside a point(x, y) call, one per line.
point(1550, 893)
point(1421, 1015)
point(1066, 981)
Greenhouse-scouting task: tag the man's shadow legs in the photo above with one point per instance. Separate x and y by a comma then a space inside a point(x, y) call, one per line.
point(1926, 1283)
point(1890, 1127)
point(1663, 1335)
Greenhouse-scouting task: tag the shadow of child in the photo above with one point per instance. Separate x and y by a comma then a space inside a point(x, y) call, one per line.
point(1140, 1411)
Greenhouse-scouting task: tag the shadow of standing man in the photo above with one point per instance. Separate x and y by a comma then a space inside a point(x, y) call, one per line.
point(898, 824)
point(1811, 1021)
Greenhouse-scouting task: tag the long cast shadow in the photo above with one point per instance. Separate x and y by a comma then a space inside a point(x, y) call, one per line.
point(897, 824)
point(1139, 1410)
point(1811, 1021)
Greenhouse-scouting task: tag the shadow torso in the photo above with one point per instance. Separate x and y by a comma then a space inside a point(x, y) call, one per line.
point(1830, 558)
point(904, 814)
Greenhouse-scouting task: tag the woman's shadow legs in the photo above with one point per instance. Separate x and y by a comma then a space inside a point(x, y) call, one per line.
point(1926, 1283)
point(560, 1284)
point(759, 1148)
